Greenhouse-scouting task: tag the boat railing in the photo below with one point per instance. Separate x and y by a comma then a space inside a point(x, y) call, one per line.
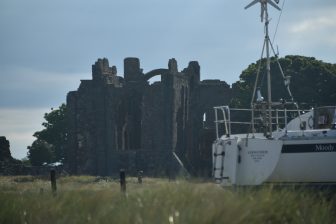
point(224, 114)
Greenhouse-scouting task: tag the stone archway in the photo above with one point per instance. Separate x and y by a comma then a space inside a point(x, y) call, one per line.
point(154, 72)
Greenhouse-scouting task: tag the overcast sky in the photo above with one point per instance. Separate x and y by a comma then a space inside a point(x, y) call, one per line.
point(46, 47)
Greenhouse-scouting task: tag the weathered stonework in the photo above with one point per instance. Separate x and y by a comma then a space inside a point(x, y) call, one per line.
point(9, 165)
point(125, 122)
point(5, 154)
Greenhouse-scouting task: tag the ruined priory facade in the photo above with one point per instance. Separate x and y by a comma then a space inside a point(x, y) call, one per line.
point(127, 123)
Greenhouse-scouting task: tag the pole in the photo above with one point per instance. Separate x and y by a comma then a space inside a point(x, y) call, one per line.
point(53, 181)
point(268, 68)
point(140, 172)
point(122, 181)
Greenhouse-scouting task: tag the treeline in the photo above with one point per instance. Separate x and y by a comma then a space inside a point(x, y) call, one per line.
point(313, 82)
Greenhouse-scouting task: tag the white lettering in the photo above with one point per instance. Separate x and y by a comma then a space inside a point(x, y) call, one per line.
point(322, 148)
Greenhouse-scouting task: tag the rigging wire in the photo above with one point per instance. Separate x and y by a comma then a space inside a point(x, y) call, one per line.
point(276, 28)
point(276, 57)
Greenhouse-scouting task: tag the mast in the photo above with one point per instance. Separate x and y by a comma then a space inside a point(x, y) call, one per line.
point(267, 44)
point(268, 68)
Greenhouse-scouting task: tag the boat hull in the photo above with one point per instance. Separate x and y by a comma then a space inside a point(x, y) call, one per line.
point(285, 159)
point(306, 161)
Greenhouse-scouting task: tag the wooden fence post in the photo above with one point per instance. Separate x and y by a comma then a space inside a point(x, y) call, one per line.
point(53, 181)
point(140, 172)
point(122, 181)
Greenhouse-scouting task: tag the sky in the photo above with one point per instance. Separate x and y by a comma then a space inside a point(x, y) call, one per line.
point(47, 47)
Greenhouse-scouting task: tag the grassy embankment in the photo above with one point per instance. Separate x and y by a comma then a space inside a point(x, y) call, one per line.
point(88, 200)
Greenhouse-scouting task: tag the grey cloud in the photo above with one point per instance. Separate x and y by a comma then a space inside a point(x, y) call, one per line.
point(29, 88)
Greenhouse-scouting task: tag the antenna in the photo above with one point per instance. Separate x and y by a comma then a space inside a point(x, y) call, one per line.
point(263, 5)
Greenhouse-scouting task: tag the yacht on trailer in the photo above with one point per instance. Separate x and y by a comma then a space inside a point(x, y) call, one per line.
point(302, 151)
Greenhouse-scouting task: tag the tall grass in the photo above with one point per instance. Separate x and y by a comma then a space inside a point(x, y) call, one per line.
point(91, 200)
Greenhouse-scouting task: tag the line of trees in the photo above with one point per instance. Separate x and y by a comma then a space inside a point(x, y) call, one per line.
point(312, 82)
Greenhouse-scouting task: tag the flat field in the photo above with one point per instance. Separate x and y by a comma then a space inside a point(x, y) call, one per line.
point(86, 199)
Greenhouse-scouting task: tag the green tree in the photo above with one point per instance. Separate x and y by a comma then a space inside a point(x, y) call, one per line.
point(312, 82)
point(50, 142)
point(40, 152)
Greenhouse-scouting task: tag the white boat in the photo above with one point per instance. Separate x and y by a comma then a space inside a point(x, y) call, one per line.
point(303, 151)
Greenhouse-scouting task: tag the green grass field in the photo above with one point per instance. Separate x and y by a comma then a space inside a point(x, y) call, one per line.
point(87, 199)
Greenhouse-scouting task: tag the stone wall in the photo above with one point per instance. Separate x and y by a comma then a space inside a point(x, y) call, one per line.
point(5, 153)
point(9, 165)
point(124, 122)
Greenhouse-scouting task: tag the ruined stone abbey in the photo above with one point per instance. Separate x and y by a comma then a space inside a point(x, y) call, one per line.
point(127, 123)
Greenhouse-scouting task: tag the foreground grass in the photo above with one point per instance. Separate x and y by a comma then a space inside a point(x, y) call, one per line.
point(90, 200)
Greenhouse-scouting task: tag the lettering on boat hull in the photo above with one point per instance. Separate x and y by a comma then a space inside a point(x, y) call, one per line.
point(305, 148)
